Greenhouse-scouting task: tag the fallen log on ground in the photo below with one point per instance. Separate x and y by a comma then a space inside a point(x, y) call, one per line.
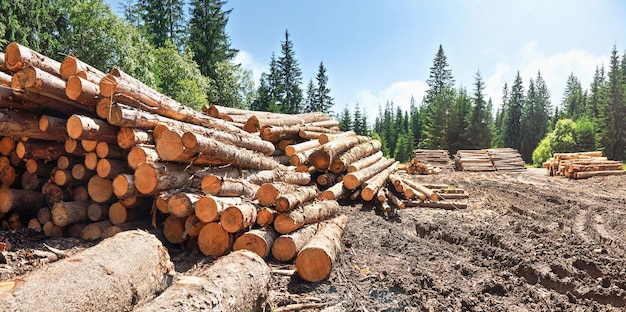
point(315, 260)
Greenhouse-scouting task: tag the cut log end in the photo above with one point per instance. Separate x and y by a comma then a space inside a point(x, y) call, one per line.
point(214, 240)
point(313, 264)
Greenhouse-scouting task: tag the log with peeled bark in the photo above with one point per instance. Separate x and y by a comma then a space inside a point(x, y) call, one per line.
point(141, 154)
point(395, 200)
point(237, 282)
point(322, 157)
point(22, 124)
point(174, 229)
point(95, 230)
point(183, 204)
point(421, 188)
point(66, 213)
point(268, 176)
point(354, 154)
point(151, 177)
point(83, 91)
point(310, 135)
point(258, 241)
point(287, 246)
point(334, 192)
point(354, 179)
point(214, 241)
point(127, 138)
point(302, 194)
point(297, 218)
point(108, 150)
point(376, 182)
point(254, 123)
point(89, 145)
point(589, 174)
point(265, 216)
point(3, 65)
point(73, 283)
point(91, 161)
point(268, 192)
point(18, 56)
point(218, 111)
point(87, 128)
point(7, 146)
point(327, 137)
point(238, 217)
point(118, 213)
point(98, 212)
point(5, 79)
point(110, 168)
point(276, 133)
point(228, 187)
point(365, 162)
point(314, 262)
point(301, 158)
point(100, 190)
point(202, 141)
point(72, 66)
point(209, 208)
point(293, 149)
point(20, 200)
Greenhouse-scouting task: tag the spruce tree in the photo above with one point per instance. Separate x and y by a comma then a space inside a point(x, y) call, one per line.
point(614, 111)
point(415, 121)
point(163, 20)
point(597, 94)
point(357, 120)
point(289, 91)
point(440, 76)
point(345, 120)
point(573, 98)
point(478, 131)
point(323, 100)
point(439, 99)
point(498, 139)
point(512, 115)
point(310, 104)
point(458, 123)
point(529, 123)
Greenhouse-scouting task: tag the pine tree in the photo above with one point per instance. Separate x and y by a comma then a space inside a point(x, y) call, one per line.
point(614, 111)
point(289, 91)
point(597, 94)
point(573, 98)
point(357, 120)
point(478, 130)
point(310, 104)
point(436, 120)
point(345, 120)
point(529, 123)
point(163, 20)
point(323, 100)
point(498, 139)
point(458, 123)
point(415, 121)
point(513, 114)
point(440, 76)
point(207, 35)
point(262, 101)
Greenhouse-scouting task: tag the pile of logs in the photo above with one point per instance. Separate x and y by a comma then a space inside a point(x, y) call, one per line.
point(582, 165)
point(437, 158)
point(506, 159)
point(473, 160)
point(416, 166)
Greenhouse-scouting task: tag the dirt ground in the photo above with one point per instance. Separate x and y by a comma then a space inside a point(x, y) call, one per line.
point(527, 242)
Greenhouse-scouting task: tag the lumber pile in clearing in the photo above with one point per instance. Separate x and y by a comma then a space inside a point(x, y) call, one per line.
point(437, 158)
point(506, 159)
point(416, 166)
point(473, 160)
point(582, 165)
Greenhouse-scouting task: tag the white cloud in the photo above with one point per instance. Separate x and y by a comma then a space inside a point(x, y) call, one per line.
point(399, 92)
point(247, 62)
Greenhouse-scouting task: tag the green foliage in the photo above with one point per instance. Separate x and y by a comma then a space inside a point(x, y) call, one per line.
point(162, 21)
point(613, 110)
point(233, 86)
point(574, 99)
point(585, 135)
point(404, 147)
point(359, 123)
point(384, 148)
point(478, 128)
point(512, 133)
point(542, 153)
point(289, 91)
point(321, 100)
point(440, 77)
point(563, 138)
point(345, 120)
point(457, 137)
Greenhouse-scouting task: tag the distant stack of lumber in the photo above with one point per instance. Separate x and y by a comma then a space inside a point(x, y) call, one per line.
point(437, 158)
point(473, 160)
point(415, 194)
point(582, 165)
point(89, 154)
point(418, 167)
point(506, 159)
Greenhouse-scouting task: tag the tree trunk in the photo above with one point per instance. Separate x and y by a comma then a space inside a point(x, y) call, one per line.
point(39, 167)
point(107, 150)
point(228, 187)
point(209, 208)
point(302, 194)
point(287, 246)
point(365, 162)
point(64, 178)
point(183, 204)
point(334, 192)
point(83, 91)
point(119, 214)
point(300, 147)
point(86, 128)
point(53, 126)
point(100, 190)
point(326, 179)
point(297, 218)
point(276, 133)
point(98, 212)
point(314, 262)
point(265, 216)
point(95, 231)
point(589, 174)
point(31, 181)
point(7, 146)
point(127, 138)
point(422, 189)
point(221, 287)
point(72, 66)
point(151, 178)
point(254, 123)
point(18, 56)
point(73, 283)
point(355, 179)
point(258, 241)
point(21, 124)
point(110, 168)
point(214, 241)
point(238, 217)
point(91, 161)
point(322, 157)
point(327, 137)
point(269, 176)
point(45, 150)
point(376, 182)
point(65, 213)
point(89, 145)
point(141, 154)
point(20, 200)
point(268, 192)
point(395, 200)
point(53, 194)
point(356, 153)
point(301, 158)
point(173, 229)
point(204, 140)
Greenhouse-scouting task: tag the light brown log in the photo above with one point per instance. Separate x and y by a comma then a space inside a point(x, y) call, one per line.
point(365, 162)
point(255, 123)
point(268, 176)
point(422, 189)
point(395, 200)
point(314, 262)
point(80, 173)
point(214, 241)
point(228, 187)
point(193, 226)
point(71, 284)
point(589, 174)
point(277, 133)
point(72, 66)
point(119, 214)
point(80, 193)
point(300, 147)
point(91, 161)
point(39, 167)
point(107, 150)
point(87, 128)
point(238, 217)
point(89, 145)
point(22, 124)
point(352, 155)
point(141, 154)
point(98, 212)
point(297, 218)
point(151, 177)
point(218, 110)
point(127, 138)
point(160, 201)
point(8, 175)
point(83, 91)
point(371, 186)
point(53, 125)
point(183, 204)
point(110, 168)
point(287, 246)
point(302, 194)
point(220, 287)
point(327, 137)
point(209, 208)
point(381, 196)
point(100, 190)
point(28, 100)
point(201, 141)
point(310, 135)
point(32, 79)
point(258, 241)
point(265, 216)
point(322, 157)
point(52, 230)
point(94, 231)
point(124, 186)
point(268, 192)
point(334, 192)
point(18, 56)
point(355, 179)
point(7, 145)
point(64, 178)
point(72, 147)
point(20, 200)
point(65, 213)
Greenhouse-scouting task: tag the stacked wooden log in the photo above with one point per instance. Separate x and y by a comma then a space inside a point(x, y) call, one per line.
point(437, 158)
point(416, 166)
point(473, 160)
point(506, 159)
point(582, 165)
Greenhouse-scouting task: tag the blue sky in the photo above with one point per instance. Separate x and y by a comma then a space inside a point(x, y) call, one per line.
point(376, 51)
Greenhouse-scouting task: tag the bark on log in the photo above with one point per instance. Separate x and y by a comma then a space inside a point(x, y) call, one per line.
point(80, 193)
point(18, 56)
point(32, 79)
point(276, 133)
point(183, 204)
point(314, 262)
point(53, 125)
point(107, 150)
point(300, 147)
point(228, 187)
point(21, 124)
point(141, 154)
point(355, 179)
point(268, 192)
point(365, 162)
point(295, 219)
point(219, 288)
point(20, 200)
point(127, 138)
point(87, 128)
point(7, 145)
point(83, 91)
point(209, 208)
point(54, 193)
point(302, 194)
point(66, 213)
point(269, 176)
point(326, 179)
point(100, 190)
point(39, 150)
point(376, 182)
point(395, 200)
point(31, 181)
point(63, 178)
point(110, 168)
point(39, 167)
point(71, 284)
point(31, 101)
point(203, 141)
point(238, 217)
point(151, 178)
point(322, 157)
point(287, 246)
point(334, 192)
point(422, 189)
point(80, 173)
point(98, 212)
point(265, 216)
point(327, 137)
point(72, 66)
point(258, 241)
point(94, 231)
point(119, 214)
point(214, 241)
point(43, 215)
point(356, 153)
point(254, 123)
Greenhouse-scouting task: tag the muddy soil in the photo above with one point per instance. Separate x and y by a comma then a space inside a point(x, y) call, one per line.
point(527, 242)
